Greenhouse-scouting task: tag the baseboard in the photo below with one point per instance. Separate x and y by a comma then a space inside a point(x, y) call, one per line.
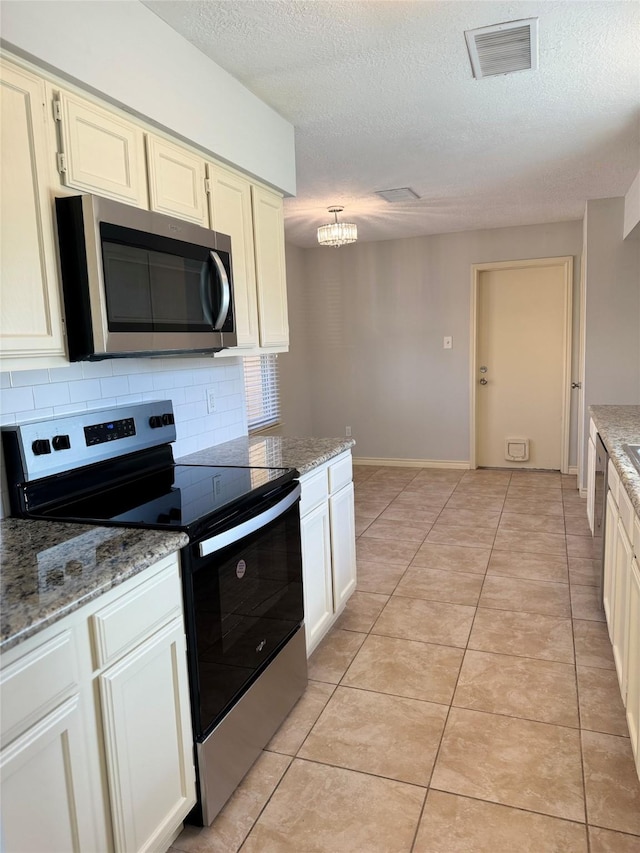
point(573, 470)
point(411, 463)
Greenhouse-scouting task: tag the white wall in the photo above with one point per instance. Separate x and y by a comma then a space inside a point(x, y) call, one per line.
point(612, 308)
point(632, 207)
point(31, 394)
point(377, 314)
point(295, 387)
point(123, 52)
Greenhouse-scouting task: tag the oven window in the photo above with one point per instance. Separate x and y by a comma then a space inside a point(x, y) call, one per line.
point(247, 601)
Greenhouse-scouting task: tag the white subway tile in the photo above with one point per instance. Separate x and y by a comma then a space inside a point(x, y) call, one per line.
point(140, 382)
point(20, 378)
point(16, 399)
point(129, 399)
point(5, 379)
point(114, 386)
point(66, 374)
point(70, 409)
point(163, 381)
point(84, 390)
point(51, 395)
point(97, 369)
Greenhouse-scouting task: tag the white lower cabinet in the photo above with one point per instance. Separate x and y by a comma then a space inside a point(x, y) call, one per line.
point(328, 545)
point(47, 788)
point(151, 788)
point(97, 749)
point(633, 662)
point(591, 482)
point(343, 545)
point(621, 594)
point(317, 583)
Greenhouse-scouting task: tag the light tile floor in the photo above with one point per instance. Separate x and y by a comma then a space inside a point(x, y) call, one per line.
point(466, 700)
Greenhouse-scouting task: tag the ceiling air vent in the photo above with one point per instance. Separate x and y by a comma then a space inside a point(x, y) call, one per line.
point(503, 48)
point(398, 194)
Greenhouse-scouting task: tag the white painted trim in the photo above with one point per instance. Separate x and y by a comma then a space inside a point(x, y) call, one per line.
point(567, 262)
point(573, 470)
point(411, 463)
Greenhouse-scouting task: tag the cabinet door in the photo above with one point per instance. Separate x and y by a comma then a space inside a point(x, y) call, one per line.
point(591, 482)
point(268, 231)
point(103, 153)
point(176, 181)
point(633, 662)
point(622, 572)
point(611, 523)
point(30, 315)
point(316, 574)
point(230, 213)
point(47, 799)
point(148, 741)
point(343, 545)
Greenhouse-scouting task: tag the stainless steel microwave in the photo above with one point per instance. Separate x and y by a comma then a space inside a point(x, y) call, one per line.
point(140, 283)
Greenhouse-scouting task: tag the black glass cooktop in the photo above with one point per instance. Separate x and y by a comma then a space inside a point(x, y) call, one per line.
point(177, 497)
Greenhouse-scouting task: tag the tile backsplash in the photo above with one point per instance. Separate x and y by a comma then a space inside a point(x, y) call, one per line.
point(27, 395)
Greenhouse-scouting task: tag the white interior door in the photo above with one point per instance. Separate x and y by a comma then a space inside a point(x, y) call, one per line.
point(521, 367)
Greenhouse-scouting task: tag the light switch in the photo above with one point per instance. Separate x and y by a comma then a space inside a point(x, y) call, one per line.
point(448, 342)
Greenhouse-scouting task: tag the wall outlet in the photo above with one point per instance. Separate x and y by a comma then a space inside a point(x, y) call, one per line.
point(347, 431)
point(211, 400)
point(447, 342)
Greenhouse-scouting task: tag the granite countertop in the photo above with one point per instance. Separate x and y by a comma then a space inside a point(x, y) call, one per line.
point(618, 425)
point(272, 451)
point(50, 569)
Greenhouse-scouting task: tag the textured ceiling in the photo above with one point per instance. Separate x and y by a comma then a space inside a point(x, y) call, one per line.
point(381, 95)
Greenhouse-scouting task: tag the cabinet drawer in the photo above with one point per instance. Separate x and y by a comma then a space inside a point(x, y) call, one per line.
point(625, 508)
point(340, 473)
point(613, 481)
point(314, 491)
point(36, 683)
point(133, 617)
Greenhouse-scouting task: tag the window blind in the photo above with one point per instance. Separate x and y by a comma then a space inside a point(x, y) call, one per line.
point(262, 391)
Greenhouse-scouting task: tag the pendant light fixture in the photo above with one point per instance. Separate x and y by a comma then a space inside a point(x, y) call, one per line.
point(337, 233)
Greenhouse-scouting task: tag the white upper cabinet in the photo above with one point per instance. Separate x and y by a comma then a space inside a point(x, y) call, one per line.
point(230, 213)
point(176, 181)
point(268, 232)
point(30, 314)
point(100, 152)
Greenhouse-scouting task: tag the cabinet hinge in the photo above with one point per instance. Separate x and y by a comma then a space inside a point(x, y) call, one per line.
point(62, 163)
point(57, 109)
point(207, 185)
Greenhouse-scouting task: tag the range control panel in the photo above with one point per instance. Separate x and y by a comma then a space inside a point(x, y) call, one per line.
point(109, 431)
point(56, 445)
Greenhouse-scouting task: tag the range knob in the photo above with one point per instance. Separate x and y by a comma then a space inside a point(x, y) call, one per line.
point(41, 446)
point(168, 419)
point(155, 421)
point(61, 442)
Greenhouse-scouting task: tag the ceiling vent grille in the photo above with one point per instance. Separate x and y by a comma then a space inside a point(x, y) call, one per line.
point(503, 48)
point(398, 194)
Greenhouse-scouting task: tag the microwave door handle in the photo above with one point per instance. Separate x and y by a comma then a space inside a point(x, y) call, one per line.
point(225, 291)
point(205, 295)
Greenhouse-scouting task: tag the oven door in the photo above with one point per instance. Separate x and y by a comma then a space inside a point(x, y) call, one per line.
point(243, 601)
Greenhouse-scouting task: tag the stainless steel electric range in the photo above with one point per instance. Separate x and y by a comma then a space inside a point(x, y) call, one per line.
point(241, 571)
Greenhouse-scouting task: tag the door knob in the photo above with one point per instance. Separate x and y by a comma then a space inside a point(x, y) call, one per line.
point(483, 381)
point(483, 369)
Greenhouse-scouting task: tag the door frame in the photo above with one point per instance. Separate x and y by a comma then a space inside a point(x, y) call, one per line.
point(565, 261)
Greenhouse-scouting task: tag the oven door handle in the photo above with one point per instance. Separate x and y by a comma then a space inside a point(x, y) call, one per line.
point(234, 534)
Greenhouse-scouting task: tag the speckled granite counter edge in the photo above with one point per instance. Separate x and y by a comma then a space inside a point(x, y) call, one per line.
point(303, 454)
point(125, 553)
point(619, 425)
